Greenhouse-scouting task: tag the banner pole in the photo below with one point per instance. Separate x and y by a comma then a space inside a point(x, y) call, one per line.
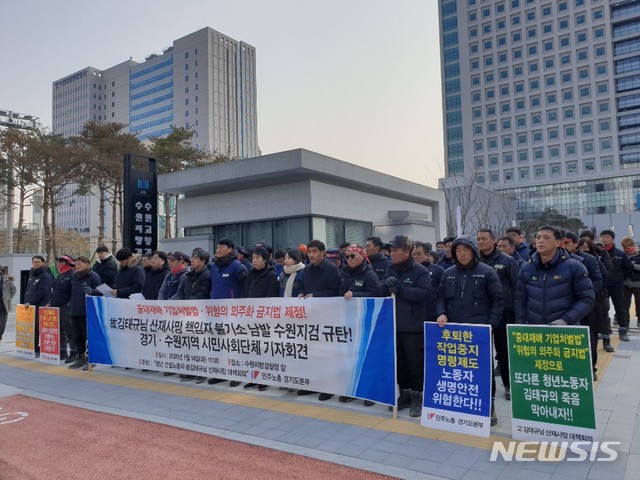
point(395, 356)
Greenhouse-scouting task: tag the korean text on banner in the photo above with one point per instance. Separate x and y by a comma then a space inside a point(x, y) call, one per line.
point(49, 335)
point(328, 345)
point(551, 383)
point(457, 378)
point(25, 330)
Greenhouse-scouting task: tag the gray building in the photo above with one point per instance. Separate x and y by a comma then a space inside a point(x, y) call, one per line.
point(291, 197)
point(540, 103)
point(205, 81)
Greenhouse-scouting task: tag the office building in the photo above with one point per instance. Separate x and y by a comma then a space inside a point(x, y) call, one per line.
point(541, 101)
point(205, 81)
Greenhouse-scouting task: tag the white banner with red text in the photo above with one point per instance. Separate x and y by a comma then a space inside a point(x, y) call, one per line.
point(332, 345)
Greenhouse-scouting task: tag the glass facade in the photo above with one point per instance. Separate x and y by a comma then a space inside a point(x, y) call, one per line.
point(290, 232)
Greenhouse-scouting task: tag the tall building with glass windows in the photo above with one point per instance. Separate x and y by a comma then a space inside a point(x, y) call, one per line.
point(205, 81)
point(541, 101)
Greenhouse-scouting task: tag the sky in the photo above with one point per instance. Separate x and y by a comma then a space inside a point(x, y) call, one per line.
point(355, 80)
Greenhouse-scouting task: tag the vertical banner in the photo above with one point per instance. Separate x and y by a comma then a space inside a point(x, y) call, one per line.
point(457, 378)
point(551, 383)
point(331, 345)
point(49, 335)
point(25, 330)
point(140, 204)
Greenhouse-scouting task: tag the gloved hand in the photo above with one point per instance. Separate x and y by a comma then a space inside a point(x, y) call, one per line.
point(558, 322)
point(392, 284)
point(87, 289)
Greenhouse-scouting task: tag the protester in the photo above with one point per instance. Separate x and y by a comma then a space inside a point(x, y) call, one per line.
point(178, 266)
point(154, 277)
point(8, 292)
point(379, 261)
point(105, 266)
point(291, 280)
point(411, 284)
point(632, 284)
point(447, 260)
point(38, 293)
point(130, 278)
point(516, 235)
point(615, 282)
point(60, 298)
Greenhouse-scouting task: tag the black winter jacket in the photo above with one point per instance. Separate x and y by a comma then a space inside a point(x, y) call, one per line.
point(362, 281)
point(170, 284)
point(61, 295)
point(194, 286)
point(39, 286)
point(78, 301)
point(507, 269)
point(106, 270)
point(321, 281)
point(153, 281)
point(261, 283)
point(435, 273)
point(379, 264)
point(621, 268)
point(413, 294)
point(129, 280)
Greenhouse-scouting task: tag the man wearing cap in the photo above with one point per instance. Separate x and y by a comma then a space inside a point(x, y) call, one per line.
point(228, 274)
point(105, 266)
point(470, 292)
point(178, 265)
point(60, 298)
point(38, 292)
point(130, 278)
point(615, 282)
point(334, 256)
point(411, 284)
point(155, 276)
point(244, 256)
point(379, 262)
point(521, 248)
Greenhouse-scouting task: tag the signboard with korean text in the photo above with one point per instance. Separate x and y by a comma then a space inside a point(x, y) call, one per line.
point(25, 330)
point(49, 335)
point(457, 378)
point(140, 204)
point(332, 345)
point(551, 383)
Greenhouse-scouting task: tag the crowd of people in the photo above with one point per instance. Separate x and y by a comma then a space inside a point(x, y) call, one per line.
point(559, 278)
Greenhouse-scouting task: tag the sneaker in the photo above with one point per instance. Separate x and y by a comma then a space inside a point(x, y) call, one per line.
point(201, 379)
point(494, 417)
point(345, 399)
point(404, 400)
point(415, 409)
point(187, 378)
point(325, 396)
point(595, 377)
point(36, 355)
point(213, 381)
point(606, 345)
point(262, 388)
point(624, 337)
point(305, 392)
point(369, 403)
point(250, 386)
point(78, 362)
point(70, 359)
point(234, 383)
point(507, 393)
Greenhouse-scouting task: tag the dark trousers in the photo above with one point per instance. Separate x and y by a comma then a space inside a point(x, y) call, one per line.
point(410, 355)
point(36, 330)
point(3, 321)
point(616, 294)
point(67, 332)
point(591, 321)
point(80, 332)
point(601, 311)
point(628, 293)
point(500, 344)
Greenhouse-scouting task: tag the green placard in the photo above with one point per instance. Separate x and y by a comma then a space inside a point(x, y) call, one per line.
point(551, 382)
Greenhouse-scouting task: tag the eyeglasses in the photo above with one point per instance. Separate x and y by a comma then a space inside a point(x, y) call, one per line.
point(350, 257)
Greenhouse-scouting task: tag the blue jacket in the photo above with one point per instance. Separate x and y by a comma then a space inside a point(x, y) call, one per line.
point(362, 281)
point(470, 294)
point(446, 262)
point(413, 294)
point(379, 264)
point(227, 275)
point(39, 286)
point(523, 251)
point(170, 284)
point(507, 269)
point(559, 289)
point(321, 281)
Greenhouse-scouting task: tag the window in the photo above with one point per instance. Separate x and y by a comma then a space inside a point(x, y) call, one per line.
point(583, 74)
point(603, 107)
point(555, 169)
point(505, 107)
point(493, 177)
point(539, 171)
point(493, 160)
point(523, 156)
point(479, 161)
point(570, 149)
point(551, 98)
point(534, 84)
point(604, 125)
point(567, 95)
point(507, 158)
point(585, 110)
point(535, 101)
point(554, 151)
point(508, 175)
point(589, 165)
point(480, 178)
point(607, 163)
point(533, 67)
point(550, 80)
point(522, 139)
point(567, 113)
point(536, 136)
point(552, 116)
point(477, 129)
point(538, 154)
point(552, 134)
point(586, 128)
point(603, 88)
point(521, 121)
point(523, 173)
point(506, 124)
point(585, 91)
point(492, 143)
point(572, 167)
point(566, 77)
point(536, 119)
point(605, 144)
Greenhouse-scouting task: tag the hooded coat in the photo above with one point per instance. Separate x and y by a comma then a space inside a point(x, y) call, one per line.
point(471, 294)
